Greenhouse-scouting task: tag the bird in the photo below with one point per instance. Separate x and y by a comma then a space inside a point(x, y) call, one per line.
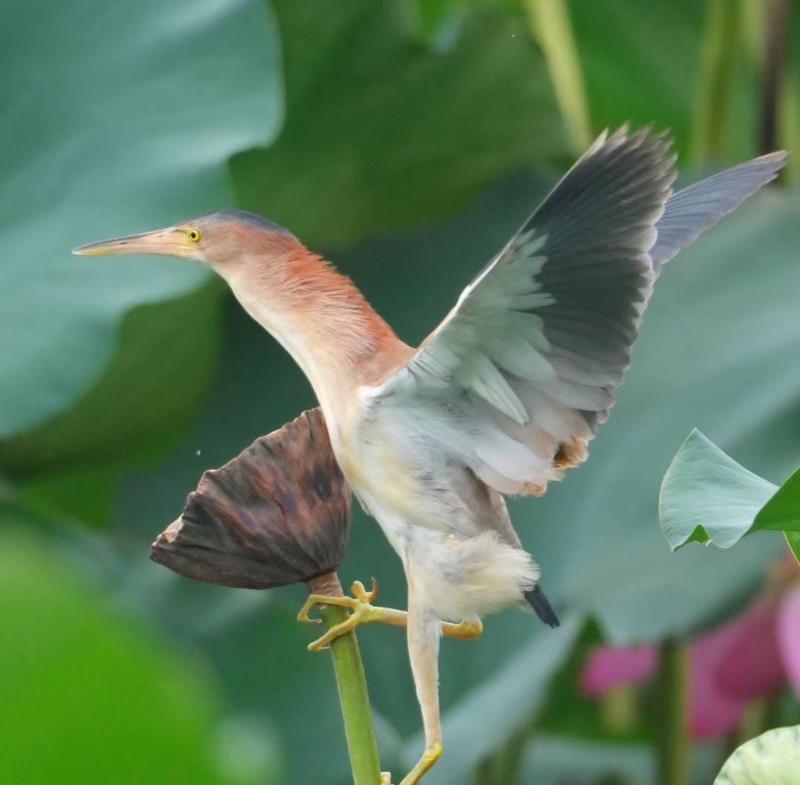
point(499, 400)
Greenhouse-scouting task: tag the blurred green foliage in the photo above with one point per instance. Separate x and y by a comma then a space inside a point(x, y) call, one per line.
point(89, 696)
point(371, 116)
point(407, 138)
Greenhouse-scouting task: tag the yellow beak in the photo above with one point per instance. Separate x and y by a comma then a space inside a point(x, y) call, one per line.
point(173, 241)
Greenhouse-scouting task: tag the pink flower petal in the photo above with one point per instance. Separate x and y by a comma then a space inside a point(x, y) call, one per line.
point(610, 666)
point(712, 710)
point(788, 628)
point(728, 667)
point(752, 666)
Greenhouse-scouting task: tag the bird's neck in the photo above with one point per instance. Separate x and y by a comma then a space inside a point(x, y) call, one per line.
point(323, 321)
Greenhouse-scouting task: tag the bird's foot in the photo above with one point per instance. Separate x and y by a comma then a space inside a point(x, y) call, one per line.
point(361, 612)
point(464, 630)
point(429, 757)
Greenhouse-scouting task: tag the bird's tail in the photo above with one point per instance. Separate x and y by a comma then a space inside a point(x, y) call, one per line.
point(538, 601)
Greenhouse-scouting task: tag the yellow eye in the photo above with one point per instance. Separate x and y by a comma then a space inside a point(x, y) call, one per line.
point(193, 235)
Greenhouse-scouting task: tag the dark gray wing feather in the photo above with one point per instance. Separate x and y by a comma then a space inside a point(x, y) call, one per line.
point(527, 362)
point(599, 224)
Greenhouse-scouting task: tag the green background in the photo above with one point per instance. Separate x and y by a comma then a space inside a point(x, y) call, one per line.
point(405, 140)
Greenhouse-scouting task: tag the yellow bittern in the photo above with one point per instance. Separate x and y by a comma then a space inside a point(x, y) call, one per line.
point(499, 399)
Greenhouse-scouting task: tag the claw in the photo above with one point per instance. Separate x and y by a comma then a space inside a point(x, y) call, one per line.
point(359, 606)
point(360, 592)
point(304, 615)
point(324, 642)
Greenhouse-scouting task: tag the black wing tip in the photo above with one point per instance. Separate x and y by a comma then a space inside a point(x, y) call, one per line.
point(541, 605)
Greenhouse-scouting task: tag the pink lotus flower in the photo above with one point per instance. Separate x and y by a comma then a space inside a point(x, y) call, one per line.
point(750, 657)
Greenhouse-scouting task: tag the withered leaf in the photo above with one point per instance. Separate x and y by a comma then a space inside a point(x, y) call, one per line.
point(278, 513)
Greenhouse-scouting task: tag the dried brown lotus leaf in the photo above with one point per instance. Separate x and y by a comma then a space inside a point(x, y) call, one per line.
point(278, 513)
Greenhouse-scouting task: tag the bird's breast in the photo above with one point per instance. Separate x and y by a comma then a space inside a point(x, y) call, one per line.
point(378, 471)
point(379, 463)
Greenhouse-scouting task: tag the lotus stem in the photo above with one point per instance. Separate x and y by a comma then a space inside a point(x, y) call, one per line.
point(674, 744)
point(551, 27)
point(351, 683)
point(720, 50)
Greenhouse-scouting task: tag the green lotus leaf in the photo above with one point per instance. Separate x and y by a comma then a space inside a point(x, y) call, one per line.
point(707, 496)
point(382, 132)
point(773, 758)
point(119, 117)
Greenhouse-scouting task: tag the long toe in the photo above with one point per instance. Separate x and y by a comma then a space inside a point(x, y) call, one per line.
point(424, 764)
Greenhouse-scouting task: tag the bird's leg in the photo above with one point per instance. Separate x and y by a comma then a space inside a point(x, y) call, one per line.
point(429, 757)
point(464, 630)
point(364, 612)
point(424, 630)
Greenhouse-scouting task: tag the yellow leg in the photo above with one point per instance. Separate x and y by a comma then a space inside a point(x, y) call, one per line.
point(363, 612)
point(465, 630)
point(429, 757)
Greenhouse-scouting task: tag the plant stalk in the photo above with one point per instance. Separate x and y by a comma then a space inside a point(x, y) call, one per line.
point(619, 710)
point(778, 18)
point(674, 746)
point(721, 41)
point(351, 683)
point(550, 25)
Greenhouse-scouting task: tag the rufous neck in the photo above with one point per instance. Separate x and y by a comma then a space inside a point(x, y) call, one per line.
point(322, 320)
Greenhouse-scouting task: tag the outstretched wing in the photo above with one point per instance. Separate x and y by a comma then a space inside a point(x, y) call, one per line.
point(517, 378)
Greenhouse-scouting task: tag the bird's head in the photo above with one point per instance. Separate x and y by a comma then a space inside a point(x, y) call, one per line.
point(313, 310)
point(223, 240)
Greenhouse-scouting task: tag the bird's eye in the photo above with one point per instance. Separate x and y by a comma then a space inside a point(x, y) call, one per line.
point(194, 235)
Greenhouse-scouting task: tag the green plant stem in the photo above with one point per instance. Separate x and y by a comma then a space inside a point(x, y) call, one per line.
point(721, 41)
point(772, 77)
point(619, 710)
point(674, 744)
point(352, 686)
point(550, 24)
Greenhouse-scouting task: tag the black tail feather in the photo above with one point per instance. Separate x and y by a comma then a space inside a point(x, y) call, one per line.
point(538, 601)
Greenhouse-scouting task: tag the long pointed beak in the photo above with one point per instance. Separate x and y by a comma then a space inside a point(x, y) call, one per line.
point(167, 242)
